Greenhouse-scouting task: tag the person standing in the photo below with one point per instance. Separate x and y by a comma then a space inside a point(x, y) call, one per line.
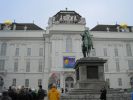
point(103, 93)
point(5, 96)
point(53, 93)
point(41, 93)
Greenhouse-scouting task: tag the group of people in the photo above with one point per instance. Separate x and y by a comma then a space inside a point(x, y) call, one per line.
point(23, 94)
point(28, 94)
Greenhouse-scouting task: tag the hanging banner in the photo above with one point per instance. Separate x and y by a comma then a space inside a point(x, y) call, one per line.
point(68, 61)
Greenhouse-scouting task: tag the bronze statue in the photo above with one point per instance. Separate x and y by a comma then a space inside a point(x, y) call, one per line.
point(87, 44)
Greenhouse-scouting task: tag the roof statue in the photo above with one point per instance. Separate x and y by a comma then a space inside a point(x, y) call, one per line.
point(87, 44)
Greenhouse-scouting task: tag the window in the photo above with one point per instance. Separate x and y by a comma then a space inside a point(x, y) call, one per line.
point(28, 66)
point(116, 51)
point(14, 82)
point(105, 51)
point(41, 52)
point(2, 65)
point(117, 66)
point(3, 49)
point(108, 82)
point(130, 64)
point(17, 52)
point(93, 52)
point(128, 49)
point(40, 66)
point(106, 67)
point(68, 44)
point(16, 65)
point(28, 51)
point(119, 82)
point(26, 82)
point(39, 81)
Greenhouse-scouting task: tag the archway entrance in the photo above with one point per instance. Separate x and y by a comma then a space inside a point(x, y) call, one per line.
point(69, 83)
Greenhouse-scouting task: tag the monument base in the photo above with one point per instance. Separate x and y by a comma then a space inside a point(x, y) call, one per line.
point(95, 85)
point(90, 80)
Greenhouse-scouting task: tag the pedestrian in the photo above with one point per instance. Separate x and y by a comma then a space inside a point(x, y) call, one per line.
point(5, 96)
point(41, 93)
point(62, 90)
point(103, 93)
point(53, 93)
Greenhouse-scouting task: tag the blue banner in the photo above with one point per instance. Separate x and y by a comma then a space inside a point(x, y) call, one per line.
point(68, 61)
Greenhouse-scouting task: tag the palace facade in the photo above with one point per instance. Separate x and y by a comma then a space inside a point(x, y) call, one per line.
point(30, 55)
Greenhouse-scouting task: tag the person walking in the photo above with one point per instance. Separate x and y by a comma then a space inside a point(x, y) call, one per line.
point(53, 93)
point(103, 93)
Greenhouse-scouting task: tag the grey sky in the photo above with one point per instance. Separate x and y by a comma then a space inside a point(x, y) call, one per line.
point(101, 11)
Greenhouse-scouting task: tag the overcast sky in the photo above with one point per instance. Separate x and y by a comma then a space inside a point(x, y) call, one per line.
point(95, 11)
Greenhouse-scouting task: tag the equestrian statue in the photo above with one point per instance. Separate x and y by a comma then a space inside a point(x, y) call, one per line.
point(87, 44)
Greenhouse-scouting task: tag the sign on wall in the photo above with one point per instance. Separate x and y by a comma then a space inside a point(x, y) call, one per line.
point(68, 61)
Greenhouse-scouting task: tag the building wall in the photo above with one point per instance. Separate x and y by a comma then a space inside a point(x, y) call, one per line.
point(54, 48)
point(23, 42)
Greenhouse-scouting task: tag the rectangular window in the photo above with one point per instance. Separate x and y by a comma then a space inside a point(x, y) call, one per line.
point(2, 65)
point(128, 49)
point(106, 67)
point(3, 49)
point(17, 52)
point(26, 82)
point(108, 82)
point(40, 66)
point(28, 51)
point(68, 44)
point(105, 51)
point(93, 52)
point(28, 66)
point(130, 64)
point(119, 82)
point(16, 65)
point(14, 82)
point(40, 51)
point(117, 66)
point(39, 81)
point(116, 51)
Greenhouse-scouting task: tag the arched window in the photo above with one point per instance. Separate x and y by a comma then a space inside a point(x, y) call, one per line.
point(3, 49)
point(69, 83)
point(68, 44)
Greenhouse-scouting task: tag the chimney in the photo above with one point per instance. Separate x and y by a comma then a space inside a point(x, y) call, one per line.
point(118, 29)
point(25, 27)
point(132, 29)
point(107, 29)
point(14, 27)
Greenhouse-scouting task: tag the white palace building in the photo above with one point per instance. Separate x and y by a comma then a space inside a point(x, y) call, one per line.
point(30, 55)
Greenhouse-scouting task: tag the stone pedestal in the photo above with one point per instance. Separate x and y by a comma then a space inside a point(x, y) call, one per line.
point(90, 73)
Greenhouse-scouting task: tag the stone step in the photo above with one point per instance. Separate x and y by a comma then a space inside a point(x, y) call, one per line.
point(83, 91)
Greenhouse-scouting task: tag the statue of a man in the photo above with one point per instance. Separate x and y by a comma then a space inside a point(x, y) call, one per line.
point(87, 44)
